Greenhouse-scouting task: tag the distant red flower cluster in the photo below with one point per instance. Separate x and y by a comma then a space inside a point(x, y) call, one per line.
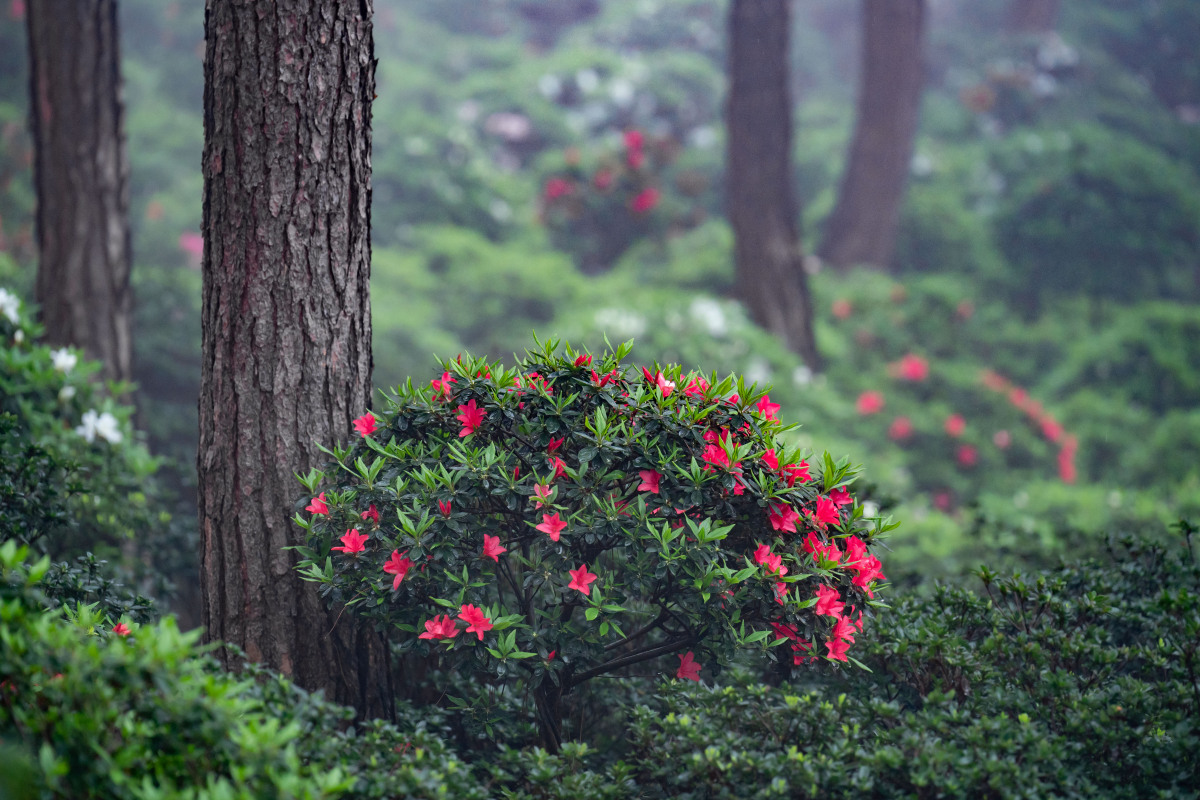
point(1049, 426)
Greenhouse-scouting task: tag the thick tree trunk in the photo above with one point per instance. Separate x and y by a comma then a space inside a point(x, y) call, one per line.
point(286, 322)
point(862, 227)
point(761, 199)
point(82, 179)
point(1033, 16)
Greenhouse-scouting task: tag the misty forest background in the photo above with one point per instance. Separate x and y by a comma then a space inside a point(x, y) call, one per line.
point(1020, 374)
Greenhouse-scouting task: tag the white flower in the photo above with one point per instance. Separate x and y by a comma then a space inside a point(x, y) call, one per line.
point(19, 336)
point(64, 360)
point(102, 425)
point(66, 393)
point(10, 306)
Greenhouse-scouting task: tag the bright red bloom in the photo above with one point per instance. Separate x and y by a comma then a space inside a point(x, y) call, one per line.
point(784, 518)
point(650, 479)
point(645, 200)
point(441, 386)
point(841, 497)
point(796, 472)
point(842, 309)
point(556, 188)
point(827, 512)
point(767, 408)
point(121, 629)
point(365, 425)
point(1066, 465)
point(837, 649)
point(559, 466)
point(492, 548)
point(1051, 429)
point(967, 455)
point(471, 417)
point(372, 514)
point(762, 554)
point(318, 505)
point(843, 629)
point(581, 579)
point(554, 444)
point(715, 454)
point(439, 628)
point(399, 565)
point(634, 139)
point(444, 507)
point(605, 379)
point(829, 602)
point(856, 551)
point(955, 425)
point(542, 492)
point(771, 460)
point(583, 360)
point(352, 542)
point(912, 368)
point(552, 525)
point(696, 387)
point(869, 403)
point(901, 428)
point(477, 623)
point(819, 551)
point(689, 668)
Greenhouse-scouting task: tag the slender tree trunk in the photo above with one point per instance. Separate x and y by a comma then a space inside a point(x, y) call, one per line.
point(286, 322)
point(862, 227)
point(762, 203)
point(82, 179)
point(1033, 16)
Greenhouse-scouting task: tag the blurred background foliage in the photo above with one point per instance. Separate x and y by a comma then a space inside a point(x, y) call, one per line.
point(1047, 268)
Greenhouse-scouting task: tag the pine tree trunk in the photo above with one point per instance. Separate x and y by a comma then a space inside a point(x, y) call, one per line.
point(1033, 16)
point(81, 177)
point(286, 322)
point(862, 227)
point(761, 199)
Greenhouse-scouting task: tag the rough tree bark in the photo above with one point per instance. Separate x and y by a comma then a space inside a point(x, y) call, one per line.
point(1033, 16)
point(81, 176)
point(761, 198)
point(285, 320)
point(862, 227)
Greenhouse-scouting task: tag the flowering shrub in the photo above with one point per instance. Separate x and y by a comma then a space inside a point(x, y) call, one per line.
point(568, 518)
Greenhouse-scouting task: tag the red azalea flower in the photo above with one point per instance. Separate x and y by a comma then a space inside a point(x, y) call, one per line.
point(716, 455)
point(829, 602)
point(399, 565)
point(352, 542)
point(967, 455)
point(841, 497)
point(583, 360)
point(554, 444)
point(796, 472)
point(471, 417)
point(492, 548)
point(650, 479)
point(837, 649)
point(121, 629)
point(784, 518)
point(769, 458)
point(696, 387)
point(634, 139)
point(441, 386)
point(581, 579)
point(842, 309)
point(318, 505)
point(869, 403)
point(365, 425)
point(689, 668)
point(912, 368)
point(827, 512)
point(901, 428)
point(552, 525)
point(542, 492)
point(645, 200)
point(439, 628)
point(767, 408)
point(372, 514)
point(955, 425)
point(477, 623)
point(556, 188)
point(559, 466)
point(444, 507)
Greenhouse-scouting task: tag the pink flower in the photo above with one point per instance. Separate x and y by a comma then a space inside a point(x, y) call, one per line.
point(796, 472)
point(492, 548)
point(827, 512)
point(771, 460)
point(399, 565)
point(696, 387)
point(842, 308)
point(372, 514)
point(869, 403)
point(967, 455)
point(365, 425)
point(1002, 439)
point(955, 425)
point(603, 179)
point(819, 551)
point(762, 554)
point(352, 542)
point(1066, 465)
point(542, 492)
point(471, 417)
point(912, 368)
point(841, 497)
point(441, 386)
point(439, 628)
point(1051, 429)
point(635, 159)
point(715, 454)
point(444, 507)
point(581, 579)
point(784, 518)
point(552, 525)
point(477, 623)
point(634, 139)
point(843, 629)
point(645, 200)
point(121, 629)
point(901, 428)
point(318, 505)
point(559, 466)
point(556, 188)
point(650, 479)
point(829, 602)
point(767, 408)
point(837, 649)
point(689, 668)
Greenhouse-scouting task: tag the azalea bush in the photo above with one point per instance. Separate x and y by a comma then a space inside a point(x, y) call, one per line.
point(568, 518)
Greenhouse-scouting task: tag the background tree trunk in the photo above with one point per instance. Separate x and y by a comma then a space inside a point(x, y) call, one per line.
point(759, 183)
point(862, 227)
point(286, 322)
point(81, 176)
point(1033, 16)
